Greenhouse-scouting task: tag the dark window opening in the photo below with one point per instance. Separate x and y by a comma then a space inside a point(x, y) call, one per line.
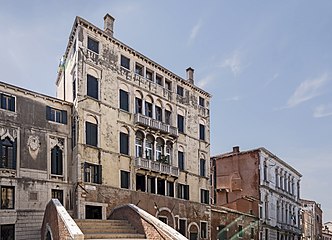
point(125, 62)
point(7, 197)
point(58, 194)
point(183, 191)
point(139, 69)
point(168, 85)
point(92, 87)
point(125, 179)
point(159, 113)
point(222, 234)
point(7, 232)
point(161, 186)
point(180, 123)
point(203, 230)
point(170, 189)
point(56, 161)
point(202, 168)
point(179, 91)
point(163, 219)
point(168, 117)
point(140, 182)
point(183, 227)
point(124, 100)
point(180, 160)
point(151, 185)
point(159, 80)
point(8, 153)
point(7, 102)
point(91, 132)
point(201, 132)
point(201, 102)
point(124, 143)
point(93, 45)
point(205, 196)
point(240, 231)
point(93, 212)
point(149, 75)
point(138, 105)
point(148, 109)
point(92, 173)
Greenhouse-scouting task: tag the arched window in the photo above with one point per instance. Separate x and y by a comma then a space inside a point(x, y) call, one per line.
point(8, 154)
point(169, 152)
point(149, 147)
point(159, 150)
point(56, 161)
point(139, 144)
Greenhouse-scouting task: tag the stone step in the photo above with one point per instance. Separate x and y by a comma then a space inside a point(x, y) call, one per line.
point(114, 236)
point(117, 229)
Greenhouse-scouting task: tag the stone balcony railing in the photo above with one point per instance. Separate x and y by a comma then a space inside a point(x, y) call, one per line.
point(156, 166)
point(155, 124)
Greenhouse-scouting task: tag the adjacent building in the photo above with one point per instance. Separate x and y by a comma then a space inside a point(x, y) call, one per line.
point(35, 165)
point(258, 182)
point(311, 220)
point(327, 231)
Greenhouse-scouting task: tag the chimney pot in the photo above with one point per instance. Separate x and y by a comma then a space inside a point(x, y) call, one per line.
point(108, 24)
point(236, 149)
point(190, 75)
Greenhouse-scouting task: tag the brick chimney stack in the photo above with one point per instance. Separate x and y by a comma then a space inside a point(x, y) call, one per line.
point(236, 149)
point(190, 75)
point(108, 24)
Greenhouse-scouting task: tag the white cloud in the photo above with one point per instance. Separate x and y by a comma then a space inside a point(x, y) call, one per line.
point(323, 111)
point(204, 81)
point(233, 62)
point(194, 31)
point(274, 77)
point(307, 90)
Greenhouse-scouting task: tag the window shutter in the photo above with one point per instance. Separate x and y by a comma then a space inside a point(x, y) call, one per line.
point(123, 143)
point(99, 180)
point(186, 192)
point(60, 162)
point(14, 154)
point(124, 101)
point(64, 117)
point(3, 102)
point(48, 113)
point(53, 161)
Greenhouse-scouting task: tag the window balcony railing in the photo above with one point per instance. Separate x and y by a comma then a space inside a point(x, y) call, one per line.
point(92, 56)
point(156, 166)
point(155, 124)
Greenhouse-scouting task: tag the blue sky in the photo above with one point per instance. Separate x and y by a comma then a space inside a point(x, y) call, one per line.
point(268, 65)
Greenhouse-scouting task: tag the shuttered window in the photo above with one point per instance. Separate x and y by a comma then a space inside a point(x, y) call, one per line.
point(56, 115)
point(124, 100)
point(91, 134)
point(92, 86)
point(124, 146)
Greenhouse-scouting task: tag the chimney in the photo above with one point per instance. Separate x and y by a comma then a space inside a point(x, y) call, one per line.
point(108, 24)
point(236, 149)
point(190, 75)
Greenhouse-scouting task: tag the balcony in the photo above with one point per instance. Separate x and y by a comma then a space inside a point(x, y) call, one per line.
point(155, 166)
point(91, 55)
point(155, 124)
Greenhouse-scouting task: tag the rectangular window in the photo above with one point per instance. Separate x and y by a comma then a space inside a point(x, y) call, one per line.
point(201, 102)
point(7, 197)
point(240, 231)
point(159, 114)
point(183, 191)
point(266, 234)
point(125, 179)
point(92, 173)
point(139, 69)
point(170, 189)
point(159, 80)
point(93, 45)
point(8, 153)
point(124, 100)
point(125, 62)
point(163, 219)
point(138, 105)
point(92, 87)
point(202, 167)
point(7, 232)
point(151, 184)
point(179, 90)
point(7, 102)
point(91, 133)
point(205, 196)
point(252, 233)
point(56, 115)
point(148, 109)
point(149, 75)
point(201, 132)
point(203, 230)
point(58, 194)
point(180, 160)
point(161, 186)
point(168, 85)
point(124, 143)
point(183, 227)
point(180, 123)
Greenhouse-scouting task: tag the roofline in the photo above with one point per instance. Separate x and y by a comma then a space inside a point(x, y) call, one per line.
point(229, 154)
point(79, 21)
point(35, 94)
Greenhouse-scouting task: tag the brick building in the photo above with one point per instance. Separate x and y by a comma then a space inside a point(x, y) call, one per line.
point(311, 219)
point(259, 183)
